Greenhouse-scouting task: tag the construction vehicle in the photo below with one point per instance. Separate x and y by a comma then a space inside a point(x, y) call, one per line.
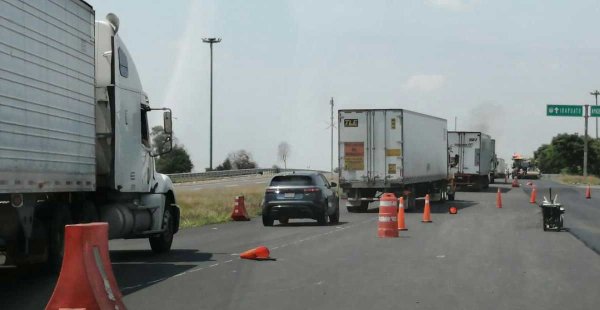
point(394, 151)
point(74, 139)
point(524, 168)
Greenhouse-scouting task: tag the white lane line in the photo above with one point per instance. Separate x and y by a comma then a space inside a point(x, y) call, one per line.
point(197, 269)
point(275, 248)
point(154, 281)
point(231, 185)
point(228, 261)
point(131, 287)
point(178, 275)
point(234, 254)
point(260, 182)
point(213, 265)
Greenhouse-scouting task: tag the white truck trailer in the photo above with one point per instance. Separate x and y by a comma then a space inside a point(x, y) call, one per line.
point(391, 150)
point(501, 168)
point(471, 157)
point(74, 140)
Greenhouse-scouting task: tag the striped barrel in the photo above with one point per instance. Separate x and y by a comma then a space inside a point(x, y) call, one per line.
point(388, 216)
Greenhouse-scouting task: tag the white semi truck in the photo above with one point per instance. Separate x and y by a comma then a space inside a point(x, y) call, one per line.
point(392, 150)
point(472, 159)
point(74, 140)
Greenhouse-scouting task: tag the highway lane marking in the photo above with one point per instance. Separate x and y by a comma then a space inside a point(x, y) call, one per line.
point(338, 228)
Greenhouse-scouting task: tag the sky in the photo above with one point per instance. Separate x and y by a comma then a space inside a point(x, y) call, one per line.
point(492, 65)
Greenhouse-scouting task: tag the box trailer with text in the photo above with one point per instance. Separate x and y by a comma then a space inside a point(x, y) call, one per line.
point(391, 150)
point(471, 158)
point(74, 138)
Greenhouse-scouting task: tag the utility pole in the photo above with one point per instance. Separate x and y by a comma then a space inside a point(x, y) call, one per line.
point(455, 123)
point(332, 126)
point(595, 94)
point(211, 41)
point(585, 142)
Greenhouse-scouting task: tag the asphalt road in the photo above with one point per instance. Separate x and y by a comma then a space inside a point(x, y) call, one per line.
point(482, 258)
point(582, 216)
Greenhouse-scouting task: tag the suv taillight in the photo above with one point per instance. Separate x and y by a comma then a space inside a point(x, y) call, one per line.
point(311, 190)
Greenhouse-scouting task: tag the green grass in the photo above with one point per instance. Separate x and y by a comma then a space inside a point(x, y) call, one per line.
point(211, 206)
point(578, 180)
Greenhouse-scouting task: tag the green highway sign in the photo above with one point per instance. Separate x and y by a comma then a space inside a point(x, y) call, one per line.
point(565, 110)
point(595, 111)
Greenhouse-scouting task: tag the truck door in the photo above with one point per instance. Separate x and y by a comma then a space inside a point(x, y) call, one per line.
point(393, 146)
point(353, 145)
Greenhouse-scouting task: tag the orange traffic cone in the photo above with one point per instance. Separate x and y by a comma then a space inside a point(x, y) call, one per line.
point(260, 253)
point(515, 182)
point(588, 192)
point(426, 211)
point(533, 195)
point(401, 223)
point(239, 210)
point(499, 199)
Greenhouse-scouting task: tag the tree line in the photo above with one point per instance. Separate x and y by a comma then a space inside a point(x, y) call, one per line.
point(178, 160)
point(564, 154)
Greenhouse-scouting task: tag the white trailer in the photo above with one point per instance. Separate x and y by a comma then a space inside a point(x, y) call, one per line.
point(392, 150)
point(471, 157)
point(501, 168)
point(74, 140)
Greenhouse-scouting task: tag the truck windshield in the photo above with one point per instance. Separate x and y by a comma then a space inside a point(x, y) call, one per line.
point(294, 180)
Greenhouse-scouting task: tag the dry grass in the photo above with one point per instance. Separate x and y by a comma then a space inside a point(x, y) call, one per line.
point(210, 206)
point(578, 180)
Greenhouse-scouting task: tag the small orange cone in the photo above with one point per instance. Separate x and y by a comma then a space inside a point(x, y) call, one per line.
point(426, 211)
point(533, 195)
point(239, 210)
point(453, 210)
point(401, 222)
point(588, 192)
point(260, 253)
point(515, 182)
point(499, 199)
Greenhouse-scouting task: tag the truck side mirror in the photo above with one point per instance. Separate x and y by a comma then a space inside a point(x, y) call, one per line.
point(167, 122)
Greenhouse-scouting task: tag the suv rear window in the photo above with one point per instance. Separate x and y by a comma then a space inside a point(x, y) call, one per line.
point(293, 180)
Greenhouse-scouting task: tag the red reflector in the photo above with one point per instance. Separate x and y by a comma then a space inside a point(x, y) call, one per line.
point(311, 190)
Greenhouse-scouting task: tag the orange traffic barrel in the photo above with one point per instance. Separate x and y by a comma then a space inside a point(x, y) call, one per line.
point(388, 216)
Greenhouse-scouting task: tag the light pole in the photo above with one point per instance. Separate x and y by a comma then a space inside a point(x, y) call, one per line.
point(595, 94)
point(211, 41)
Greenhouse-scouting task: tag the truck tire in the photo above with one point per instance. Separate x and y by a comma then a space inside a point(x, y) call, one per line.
point(56, 243)
point(450, 197)
point(162, 243)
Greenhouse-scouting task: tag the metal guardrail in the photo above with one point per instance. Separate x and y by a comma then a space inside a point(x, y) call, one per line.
point(211, 175)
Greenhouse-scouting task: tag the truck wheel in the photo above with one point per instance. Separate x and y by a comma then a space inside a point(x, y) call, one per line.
point(284, 220)
point(56, 248)
point(450, 197)
point(335, 217)
point(267, 219)
point(162, 243)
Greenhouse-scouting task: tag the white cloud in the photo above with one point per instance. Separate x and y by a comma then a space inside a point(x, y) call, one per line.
point(425, 82)
point(453, 5)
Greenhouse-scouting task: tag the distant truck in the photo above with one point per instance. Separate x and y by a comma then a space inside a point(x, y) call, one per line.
point(74, 140)
point(391, 150)
point(501, 168)
point(471, 157)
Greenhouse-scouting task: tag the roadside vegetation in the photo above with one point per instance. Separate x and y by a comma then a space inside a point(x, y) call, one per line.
point(211, 206)
point(564, 155)
point(577, 179)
